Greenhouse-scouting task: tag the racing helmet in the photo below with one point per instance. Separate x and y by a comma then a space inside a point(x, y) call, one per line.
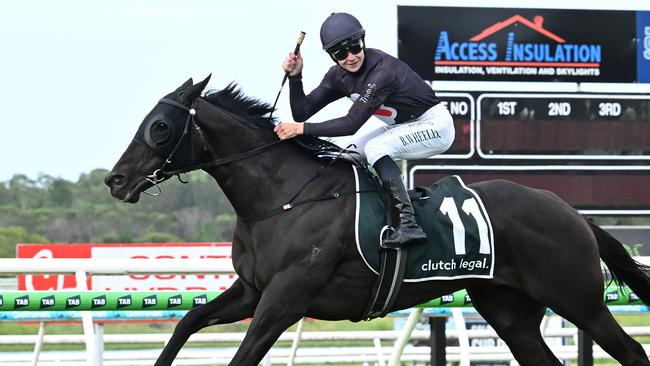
point(337, 28)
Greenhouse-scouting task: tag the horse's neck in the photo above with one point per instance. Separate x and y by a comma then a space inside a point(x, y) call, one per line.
point(257, 183)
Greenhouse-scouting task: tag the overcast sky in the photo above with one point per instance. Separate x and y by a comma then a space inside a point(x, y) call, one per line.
point(78, 76)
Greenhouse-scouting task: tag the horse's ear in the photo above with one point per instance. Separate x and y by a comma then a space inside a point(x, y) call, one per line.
point(193, 91)
point(186, 84)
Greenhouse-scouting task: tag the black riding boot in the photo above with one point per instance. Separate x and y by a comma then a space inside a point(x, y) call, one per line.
point(406, 229)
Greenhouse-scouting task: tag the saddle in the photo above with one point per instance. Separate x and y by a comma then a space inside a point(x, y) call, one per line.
point(459, 239)
point(328, 151)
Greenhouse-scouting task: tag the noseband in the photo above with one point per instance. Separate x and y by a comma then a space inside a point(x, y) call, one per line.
point(159, 174)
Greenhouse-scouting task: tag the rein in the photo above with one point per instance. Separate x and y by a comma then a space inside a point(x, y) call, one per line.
point(226, 160)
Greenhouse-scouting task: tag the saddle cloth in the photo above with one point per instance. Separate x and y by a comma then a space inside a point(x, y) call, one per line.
point(459, 242)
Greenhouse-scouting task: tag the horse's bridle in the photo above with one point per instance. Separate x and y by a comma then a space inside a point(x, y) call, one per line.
point(160, 174)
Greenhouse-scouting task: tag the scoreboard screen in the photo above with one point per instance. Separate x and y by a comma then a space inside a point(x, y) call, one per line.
point(559, 126)
point(583, 187)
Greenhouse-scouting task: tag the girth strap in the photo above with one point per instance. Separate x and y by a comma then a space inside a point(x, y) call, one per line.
point(386, 288)
point(392, 267)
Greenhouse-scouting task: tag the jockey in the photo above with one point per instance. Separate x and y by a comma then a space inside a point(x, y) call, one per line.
point(416, 125)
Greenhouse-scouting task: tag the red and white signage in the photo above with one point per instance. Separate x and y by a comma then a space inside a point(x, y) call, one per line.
point(112, 252)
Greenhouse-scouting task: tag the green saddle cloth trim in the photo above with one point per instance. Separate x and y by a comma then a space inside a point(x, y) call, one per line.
point(460, 241)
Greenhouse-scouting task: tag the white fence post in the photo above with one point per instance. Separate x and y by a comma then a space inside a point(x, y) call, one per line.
point(87, 321)
point(296, 342)
point(463, 338)
point(39, 343)
point(380, 354)
point(99, 344)
point(404, 337)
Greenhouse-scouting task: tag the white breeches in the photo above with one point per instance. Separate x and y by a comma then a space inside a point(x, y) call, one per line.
point(430, 134)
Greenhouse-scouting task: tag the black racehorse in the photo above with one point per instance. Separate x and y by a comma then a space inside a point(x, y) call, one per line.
point(304, 261)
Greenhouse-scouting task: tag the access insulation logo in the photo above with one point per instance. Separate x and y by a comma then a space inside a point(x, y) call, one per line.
point(498, 51)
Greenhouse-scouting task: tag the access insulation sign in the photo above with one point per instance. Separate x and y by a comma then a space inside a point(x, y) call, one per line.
point(500, 44)
point(136, 282)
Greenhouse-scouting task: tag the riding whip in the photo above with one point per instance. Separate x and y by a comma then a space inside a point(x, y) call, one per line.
point(301, 37)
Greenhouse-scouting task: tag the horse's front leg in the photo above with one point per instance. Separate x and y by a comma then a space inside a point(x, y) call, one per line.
point(284, 301)
point(236, 303)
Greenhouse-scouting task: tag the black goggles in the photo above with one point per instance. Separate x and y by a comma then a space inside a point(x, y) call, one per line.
point(340, 52)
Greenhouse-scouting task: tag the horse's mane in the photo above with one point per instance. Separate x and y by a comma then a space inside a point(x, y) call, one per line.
point(232, 99)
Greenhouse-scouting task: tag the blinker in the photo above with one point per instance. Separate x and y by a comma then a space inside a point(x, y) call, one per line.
point(164, 147)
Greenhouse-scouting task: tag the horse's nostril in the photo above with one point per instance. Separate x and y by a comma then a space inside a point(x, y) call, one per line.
point(114, 180)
